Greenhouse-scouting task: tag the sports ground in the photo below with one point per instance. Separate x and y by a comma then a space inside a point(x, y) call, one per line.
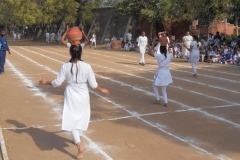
point(201, 122)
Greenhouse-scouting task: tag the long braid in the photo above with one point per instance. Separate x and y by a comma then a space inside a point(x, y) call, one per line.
point(76, 53)
point(196, 38)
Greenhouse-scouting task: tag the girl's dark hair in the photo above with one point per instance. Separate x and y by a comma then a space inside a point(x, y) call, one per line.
point(163, 50)
point(196, 37)
point(76, 53)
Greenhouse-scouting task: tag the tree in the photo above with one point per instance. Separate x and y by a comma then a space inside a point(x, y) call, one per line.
point(168, 11)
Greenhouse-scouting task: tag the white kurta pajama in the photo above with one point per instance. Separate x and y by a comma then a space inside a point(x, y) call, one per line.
point(163, 76)
point(194, 55)
point(187, 41)
point(76, 112)
point(142, 43)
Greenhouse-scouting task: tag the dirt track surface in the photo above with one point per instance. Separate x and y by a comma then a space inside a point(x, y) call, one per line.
point(201, 122)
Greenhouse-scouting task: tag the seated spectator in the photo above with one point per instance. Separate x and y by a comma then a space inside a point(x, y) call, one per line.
point(216, 42)
point(216, 57)
point(229, 57)
point(178, 51)
point(114, 38)
point(225, 49)
point(206, 43)
point(233, 43)
point(211, 39)
point(236, 58)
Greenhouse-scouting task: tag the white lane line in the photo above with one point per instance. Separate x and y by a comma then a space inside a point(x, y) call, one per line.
point(177, 87)
point(158, 127)
point(155, 126)
point(39, 93)
point(182, 79)
point(177, 70)
point(174, 63)
point(180, 88)
point(173, 101)
point(170, 100)
point(123, 117)
point(3, 146)
point(208, 76)
point(96, 147)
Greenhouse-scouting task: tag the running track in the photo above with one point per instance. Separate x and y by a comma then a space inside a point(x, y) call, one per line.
point(201, 122)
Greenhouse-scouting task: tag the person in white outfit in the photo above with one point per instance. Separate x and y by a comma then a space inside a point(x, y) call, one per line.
point(59, 36)
point(47, 37)
point(142, 44)
point(163, 75)
point(76, 111)
point(19, 36)
point(194, 49)
point(14, 36)
point(93, 40)
point(129, 36)
point(187, 39)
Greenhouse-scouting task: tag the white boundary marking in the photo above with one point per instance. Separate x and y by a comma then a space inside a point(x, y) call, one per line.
point(3, 146)
point(158, 127)
point(152, 94)
point(152, 72)
point(174, 63)
point(149, 123)
point(213, 77)
point(170, 69)
point(186, 80)
point(39, 93)
point(120, 118)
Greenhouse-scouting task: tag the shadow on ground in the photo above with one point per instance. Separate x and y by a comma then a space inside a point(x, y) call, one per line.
point(44, 140)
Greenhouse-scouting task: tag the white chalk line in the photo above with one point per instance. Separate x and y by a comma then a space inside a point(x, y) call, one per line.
point(174, 63)
point(177, 87)
point(176, 102)
point(200, 83)
point(156, 126)
point(208, 85)
point(169, 85)
point(208, 76)
point(39, 93)
point(151, 79)
point(3, 146)
point(137, 116)
point(173, 101)
point(120, 118)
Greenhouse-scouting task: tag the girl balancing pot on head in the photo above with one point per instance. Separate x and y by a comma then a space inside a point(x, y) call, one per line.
point(194, 49)
point(76, 111)
point(163, 76)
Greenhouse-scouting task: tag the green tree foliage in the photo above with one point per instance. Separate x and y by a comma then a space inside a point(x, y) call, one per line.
point(29, 12)
point(175, 10)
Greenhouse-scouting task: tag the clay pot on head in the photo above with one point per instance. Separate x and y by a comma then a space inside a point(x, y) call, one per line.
point(74, 34)
point(163, 40)
point(195, 31)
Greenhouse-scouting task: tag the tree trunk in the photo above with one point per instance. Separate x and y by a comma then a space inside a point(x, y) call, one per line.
point(151, 31)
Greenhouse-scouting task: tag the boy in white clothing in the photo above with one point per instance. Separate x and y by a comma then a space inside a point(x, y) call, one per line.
point(142, 44)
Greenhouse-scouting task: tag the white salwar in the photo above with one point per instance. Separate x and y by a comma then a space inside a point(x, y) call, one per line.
point(187, 41)
point(142, 43)
point(76, 112)
point(194, 55)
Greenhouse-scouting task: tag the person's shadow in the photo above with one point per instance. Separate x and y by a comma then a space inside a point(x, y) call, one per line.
point(44, 140)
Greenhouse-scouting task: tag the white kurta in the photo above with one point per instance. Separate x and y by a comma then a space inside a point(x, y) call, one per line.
point(194, 54)
point(76, 112)
point(142, 43)
point(187, 41)
point(163, 76)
